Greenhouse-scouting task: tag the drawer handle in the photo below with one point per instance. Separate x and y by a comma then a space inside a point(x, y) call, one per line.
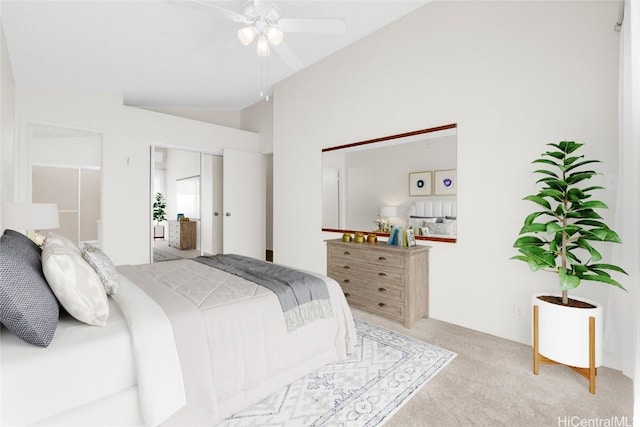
point(346, 281)
point(382, 305)
point(346, 253)
point(381, 258)
point(382, 274)
point(383, 290)
point(347, 294)
point(346, 267)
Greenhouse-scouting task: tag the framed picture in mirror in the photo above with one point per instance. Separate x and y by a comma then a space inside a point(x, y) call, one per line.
point(420, 183)
point(445, 182)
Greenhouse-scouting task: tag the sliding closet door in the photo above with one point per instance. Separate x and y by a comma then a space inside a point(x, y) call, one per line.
point(244, 193)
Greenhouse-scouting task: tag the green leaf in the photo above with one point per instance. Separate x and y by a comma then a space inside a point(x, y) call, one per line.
point(547, 162)
point(570, 160)
point(595, 255)
point(533, 228)
point(589, 189)
point(552, 227)
point(569, 146)
point(538, 256)
point(531, 217)
point(528, 241)
point(568, 281)
point(553, 193)
point(579, 177)
point(603, 279)
point(586, 162)
point(594, 204)
point(539, 200)
point(554, 154)
point(546, 172)
point(575, 195)
point(591, 223)
point(608, 267)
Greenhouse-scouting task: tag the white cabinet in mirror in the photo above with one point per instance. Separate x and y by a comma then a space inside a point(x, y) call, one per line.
point(362, 178)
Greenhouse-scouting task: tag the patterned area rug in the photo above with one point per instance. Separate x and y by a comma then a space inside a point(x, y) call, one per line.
point(366, 390)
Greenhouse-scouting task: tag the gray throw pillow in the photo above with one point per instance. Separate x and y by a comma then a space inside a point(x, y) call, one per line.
point(28, 308)
point(103, 266)
point(25, 248)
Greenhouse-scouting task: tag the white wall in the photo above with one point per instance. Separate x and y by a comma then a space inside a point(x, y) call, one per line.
point(218, 117)
point(514, 76)
point(7, 88)
point(127, 136)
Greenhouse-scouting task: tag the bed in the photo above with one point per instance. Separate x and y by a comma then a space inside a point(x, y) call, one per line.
point(436, 217)
point(184, 343)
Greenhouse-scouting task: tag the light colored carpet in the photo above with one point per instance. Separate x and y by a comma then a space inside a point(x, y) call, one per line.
point(160, 255)
point(386, 369)
point(491, 383)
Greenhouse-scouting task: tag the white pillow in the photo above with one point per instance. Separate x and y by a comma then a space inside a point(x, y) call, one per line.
point(103, 266)
point(75, 284)
point(56, 239)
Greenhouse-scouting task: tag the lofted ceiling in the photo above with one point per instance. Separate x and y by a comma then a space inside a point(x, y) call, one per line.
point(171, 53)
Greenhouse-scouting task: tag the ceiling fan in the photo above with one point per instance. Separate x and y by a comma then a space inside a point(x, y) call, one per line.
point(262, 22)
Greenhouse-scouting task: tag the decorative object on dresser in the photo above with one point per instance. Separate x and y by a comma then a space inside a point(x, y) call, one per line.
point(182, 234)
point(387, 280)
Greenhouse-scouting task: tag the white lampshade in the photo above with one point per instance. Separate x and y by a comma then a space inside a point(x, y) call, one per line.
point(274, 35)
point(247, 34)
point(263, 46)
point(388, 211)
point(30, 216)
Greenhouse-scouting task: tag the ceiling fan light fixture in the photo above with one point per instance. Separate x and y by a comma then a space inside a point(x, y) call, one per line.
point(247, 34)
point(275, 35)
point(263, 48)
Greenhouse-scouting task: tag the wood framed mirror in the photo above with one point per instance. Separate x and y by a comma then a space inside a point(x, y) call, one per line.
point(412, 175)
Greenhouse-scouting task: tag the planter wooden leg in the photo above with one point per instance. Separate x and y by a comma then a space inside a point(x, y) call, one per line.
point(536, 355)
point(592, 355)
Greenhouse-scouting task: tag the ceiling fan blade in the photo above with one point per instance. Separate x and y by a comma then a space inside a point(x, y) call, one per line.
point(313, 25)
point(225, 13)
point(288, 56)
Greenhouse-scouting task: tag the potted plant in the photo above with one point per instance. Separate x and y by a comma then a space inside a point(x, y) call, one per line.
point(559, 237)
point(159, 215)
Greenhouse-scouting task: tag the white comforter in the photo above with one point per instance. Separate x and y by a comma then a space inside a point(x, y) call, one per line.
point(233, 343)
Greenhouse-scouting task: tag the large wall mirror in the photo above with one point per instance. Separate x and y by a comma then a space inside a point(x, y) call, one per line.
point(407, 180)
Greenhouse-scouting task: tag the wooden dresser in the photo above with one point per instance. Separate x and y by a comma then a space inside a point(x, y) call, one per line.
point(182, 234)
point(383, 279)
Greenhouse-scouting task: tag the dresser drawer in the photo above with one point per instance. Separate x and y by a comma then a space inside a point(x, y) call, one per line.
point(364, 254)
point(378, 288)
point(357, 269)
point(383, 306)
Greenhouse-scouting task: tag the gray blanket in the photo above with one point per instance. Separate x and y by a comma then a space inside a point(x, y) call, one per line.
point(303, 297)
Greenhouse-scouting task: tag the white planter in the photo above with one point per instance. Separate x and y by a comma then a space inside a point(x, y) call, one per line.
point(158, 232)
point(563, 332)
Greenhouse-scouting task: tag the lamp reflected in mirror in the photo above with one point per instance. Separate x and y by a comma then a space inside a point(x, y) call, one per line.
point(384, 218)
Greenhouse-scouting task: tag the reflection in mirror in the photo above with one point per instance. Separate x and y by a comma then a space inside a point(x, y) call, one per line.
point(177, 176)
point(411, 176)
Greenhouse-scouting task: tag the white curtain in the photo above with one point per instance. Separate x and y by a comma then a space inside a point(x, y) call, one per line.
point(623, 330)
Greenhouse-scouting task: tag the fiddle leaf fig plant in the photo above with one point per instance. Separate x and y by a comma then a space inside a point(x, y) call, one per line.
point(558, 236)
point(159, 208)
